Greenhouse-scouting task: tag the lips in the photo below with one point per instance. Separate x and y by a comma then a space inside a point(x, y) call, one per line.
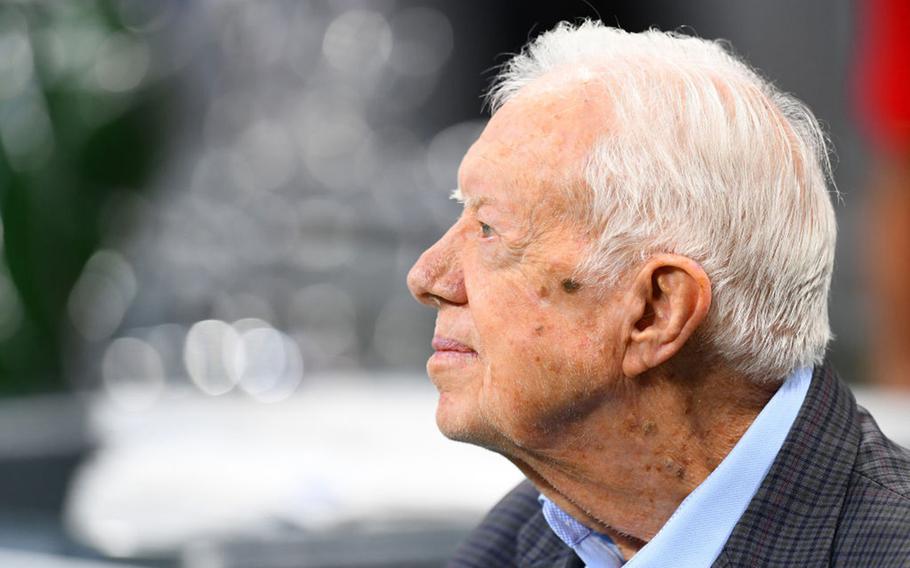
point(444, 344)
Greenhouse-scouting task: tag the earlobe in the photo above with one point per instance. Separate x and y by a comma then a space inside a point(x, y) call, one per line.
point(672, 295)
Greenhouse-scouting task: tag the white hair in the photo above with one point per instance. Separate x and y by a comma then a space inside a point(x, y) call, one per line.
point(702, 157)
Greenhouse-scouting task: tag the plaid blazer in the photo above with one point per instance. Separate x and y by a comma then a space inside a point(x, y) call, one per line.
point(838, 494)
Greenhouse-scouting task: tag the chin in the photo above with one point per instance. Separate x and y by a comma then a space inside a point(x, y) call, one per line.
point(454, 417)
point(462, 421)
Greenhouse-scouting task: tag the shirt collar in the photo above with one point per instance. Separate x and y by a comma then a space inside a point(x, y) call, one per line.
point(697, 531)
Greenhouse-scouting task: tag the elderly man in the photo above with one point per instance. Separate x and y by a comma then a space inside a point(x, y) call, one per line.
point(632, 308)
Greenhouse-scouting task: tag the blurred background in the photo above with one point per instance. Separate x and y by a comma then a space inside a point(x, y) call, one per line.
point(208, 356)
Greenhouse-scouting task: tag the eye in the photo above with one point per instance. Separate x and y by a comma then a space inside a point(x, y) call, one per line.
point(485, 230)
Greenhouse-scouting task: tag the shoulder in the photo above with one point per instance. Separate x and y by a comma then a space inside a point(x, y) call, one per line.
point(836, 495)
point(875, 519)
point(881, 461)
point(513, 533)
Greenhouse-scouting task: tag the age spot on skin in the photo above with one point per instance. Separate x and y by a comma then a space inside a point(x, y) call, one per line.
point(649, 428)
point(570, 286)
point(676, 469)
point(538, 330)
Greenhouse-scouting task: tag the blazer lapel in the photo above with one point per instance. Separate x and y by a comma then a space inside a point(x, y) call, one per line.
point(792, 519)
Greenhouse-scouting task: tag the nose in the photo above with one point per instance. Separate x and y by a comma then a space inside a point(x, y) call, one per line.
point(437, 277)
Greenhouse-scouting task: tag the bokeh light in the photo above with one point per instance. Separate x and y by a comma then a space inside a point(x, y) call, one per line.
point(16, 65)
point(102, 295)
point(121, 63)
point(213, 356)
point(273, 366)
point(132, 373)
point(423, 41)
point(358, 40)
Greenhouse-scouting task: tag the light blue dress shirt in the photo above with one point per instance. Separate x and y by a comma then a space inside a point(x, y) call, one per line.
point(697, 531)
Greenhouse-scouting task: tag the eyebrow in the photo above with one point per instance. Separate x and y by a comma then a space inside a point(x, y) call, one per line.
point(472, 203)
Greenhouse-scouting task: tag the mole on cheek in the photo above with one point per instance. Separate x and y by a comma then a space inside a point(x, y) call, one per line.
point(570, 286)
point(538, 330)
point(543, 292)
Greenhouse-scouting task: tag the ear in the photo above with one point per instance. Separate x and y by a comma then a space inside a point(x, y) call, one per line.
point(671, 295)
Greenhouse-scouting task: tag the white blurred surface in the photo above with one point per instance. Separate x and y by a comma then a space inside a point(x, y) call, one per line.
point(19, 559)
point(339, 450)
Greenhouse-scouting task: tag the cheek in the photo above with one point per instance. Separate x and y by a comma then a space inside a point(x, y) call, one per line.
point(500, 306)
point(524, 327)
point(540, 356)
point(536, 378)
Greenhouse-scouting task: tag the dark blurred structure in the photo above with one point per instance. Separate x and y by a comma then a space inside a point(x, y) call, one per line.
point(82, 121)
point(210, 206)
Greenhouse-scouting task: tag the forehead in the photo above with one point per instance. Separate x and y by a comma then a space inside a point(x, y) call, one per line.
point(540, 137)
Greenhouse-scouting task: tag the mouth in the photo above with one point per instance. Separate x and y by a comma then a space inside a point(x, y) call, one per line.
point(446, 345)
point(447, 349)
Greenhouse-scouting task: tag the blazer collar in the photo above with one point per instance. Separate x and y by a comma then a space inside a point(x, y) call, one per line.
point(793, 516)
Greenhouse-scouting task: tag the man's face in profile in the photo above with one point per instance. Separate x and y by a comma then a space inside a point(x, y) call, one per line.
point(518, 338)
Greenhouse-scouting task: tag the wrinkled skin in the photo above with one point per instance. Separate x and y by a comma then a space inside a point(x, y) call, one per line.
point(544, 348)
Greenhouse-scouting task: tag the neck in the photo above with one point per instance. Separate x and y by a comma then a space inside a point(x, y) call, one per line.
point(628, 465)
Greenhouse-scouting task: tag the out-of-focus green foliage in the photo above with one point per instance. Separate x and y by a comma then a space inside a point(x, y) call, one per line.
point(79, 121)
